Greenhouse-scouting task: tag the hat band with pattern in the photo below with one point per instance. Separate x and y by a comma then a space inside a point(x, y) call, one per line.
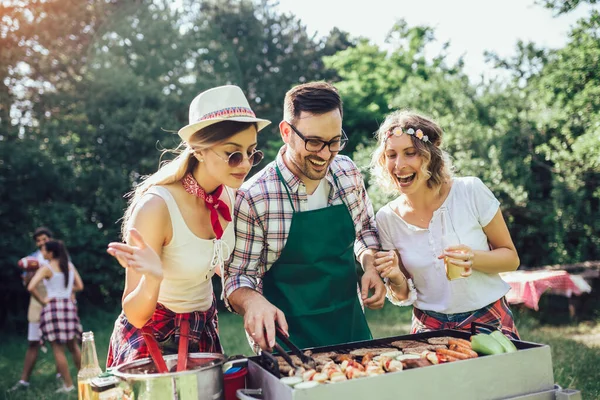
point(230, 112)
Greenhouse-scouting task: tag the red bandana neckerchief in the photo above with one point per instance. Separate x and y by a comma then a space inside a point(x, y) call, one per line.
point(212, 201)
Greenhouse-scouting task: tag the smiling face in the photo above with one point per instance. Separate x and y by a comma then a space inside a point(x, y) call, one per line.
point(41, 239)
point(325, 127)
point(404, 164)
point(216, 158)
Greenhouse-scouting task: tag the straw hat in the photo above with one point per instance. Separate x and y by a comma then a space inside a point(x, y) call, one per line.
point(222, 103)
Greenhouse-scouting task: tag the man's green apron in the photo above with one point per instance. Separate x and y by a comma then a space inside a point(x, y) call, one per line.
point(314, 280)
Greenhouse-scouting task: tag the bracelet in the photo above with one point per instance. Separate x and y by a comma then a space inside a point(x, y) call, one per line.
point(400, 285)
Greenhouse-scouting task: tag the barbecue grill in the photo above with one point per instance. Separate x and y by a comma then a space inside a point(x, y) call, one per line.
point(525, 374)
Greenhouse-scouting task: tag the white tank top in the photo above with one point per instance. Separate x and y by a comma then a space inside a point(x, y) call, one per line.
point(55, 285)
point(189, 262)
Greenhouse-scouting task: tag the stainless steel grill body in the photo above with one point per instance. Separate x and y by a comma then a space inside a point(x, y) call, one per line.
point(511, 375)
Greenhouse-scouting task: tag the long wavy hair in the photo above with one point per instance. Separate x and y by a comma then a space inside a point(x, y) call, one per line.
point(436, 166)
point(173, 171)
point(59, 252)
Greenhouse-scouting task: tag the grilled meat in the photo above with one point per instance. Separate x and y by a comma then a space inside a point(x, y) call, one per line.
point(374, 351)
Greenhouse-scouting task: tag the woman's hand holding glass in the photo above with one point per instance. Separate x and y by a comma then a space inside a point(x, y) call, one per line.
point(139, 256)
point(460, 256)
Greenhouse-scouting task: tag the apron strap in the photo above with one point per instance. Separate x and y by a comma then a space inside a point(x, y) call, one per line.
point(153, 349)
point(184, 331)
point(335, 186)
point(285, 186)
point(183, 321)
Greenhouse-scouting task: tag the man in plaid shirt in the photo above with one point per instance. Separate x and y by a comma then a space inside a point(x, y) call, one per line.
point(300, 223)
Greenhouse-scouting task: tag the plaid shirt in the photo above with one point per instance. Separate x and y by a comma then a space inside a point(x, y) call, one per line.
point(263, 215)
point(497, 314)
point(127, 342)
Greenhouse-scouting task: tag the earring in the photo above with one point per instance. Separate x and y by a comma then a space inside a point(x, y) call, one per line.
point(194, 154)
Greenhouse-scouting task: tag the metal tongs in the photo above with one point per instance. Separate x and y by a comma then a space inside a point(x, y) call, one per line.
point(306, 360)
point(281, 351)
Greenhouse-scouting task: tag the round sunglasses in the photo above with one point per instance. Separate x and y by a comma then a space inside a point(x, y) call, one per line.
point(237, 157)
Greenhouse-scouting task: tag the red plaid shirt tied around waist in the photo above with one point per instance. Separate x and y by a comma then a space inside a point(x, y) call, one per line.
point(497, 314)
point(127, 342)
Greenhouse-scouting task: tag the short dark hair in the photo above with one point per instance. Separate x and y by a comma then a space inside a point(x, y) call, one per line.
point(313, 97)
point(42, 230)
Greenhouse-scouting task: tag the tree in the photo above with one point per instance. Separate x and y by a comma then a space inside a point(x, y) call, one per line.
point(105, 89)
point(529, 138)
point(44, 47)
point(564, 6)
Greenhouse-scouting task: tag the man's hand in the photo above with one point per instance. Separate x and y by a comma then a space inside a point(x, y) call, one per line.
point(371, 280)
point(27, 277)
point(260, 316)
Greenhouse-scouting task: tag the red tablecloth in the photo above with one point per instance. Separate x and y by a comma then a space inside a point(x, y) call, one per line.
point(528, 286)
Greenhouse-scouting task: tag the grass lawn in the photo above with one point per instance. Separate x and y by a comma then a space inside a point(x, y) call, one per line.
point(576, 365)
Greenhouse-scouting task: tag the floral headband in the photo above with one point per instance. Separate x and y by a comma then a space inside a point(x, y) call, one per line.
point(398, 132)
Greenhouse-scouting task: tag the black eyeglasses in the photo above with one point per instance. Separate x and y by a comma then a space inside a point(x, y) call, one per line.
point(237, 157)
point(316, 145)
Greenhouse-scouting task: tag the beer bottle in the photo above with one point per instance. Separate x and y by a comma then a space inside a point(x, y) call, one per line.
point(89, 368)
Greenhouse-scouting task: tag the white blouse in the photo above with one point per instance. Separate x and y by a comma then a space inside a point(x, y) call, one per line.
point(469, 207)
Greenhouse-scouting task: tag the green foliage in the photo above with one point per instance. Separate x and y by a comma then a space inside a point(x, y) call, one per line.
point(568, 114)
point(533, 140)
point(99, 89)
point(91, 92)
point(564, 6)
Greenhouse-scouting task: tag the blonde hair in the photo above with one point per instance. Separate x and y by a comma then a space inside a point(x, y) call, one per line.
point(436, 166)
point(173, 171)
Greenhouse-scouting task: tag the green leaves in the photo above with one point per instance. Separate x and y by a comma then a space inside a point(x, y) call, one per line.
point(88, 91)
point(533, 139)
point(105, 81)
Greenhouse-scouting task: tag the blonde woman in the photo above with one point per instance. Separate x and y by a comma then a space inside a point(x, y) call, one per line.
point(178, 232)
point(437, 224)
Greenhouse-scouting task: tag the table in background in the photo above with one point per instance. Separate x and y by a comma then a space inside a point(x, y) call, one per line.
point(528, 286)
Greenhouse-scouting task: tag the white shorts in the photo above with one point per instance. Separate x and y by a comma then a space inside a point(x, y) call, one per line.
point(34, 334)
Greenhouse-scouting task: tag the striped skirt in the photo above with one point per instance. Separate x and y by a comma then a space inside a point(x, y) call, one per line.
point(59, 321)
point(497, 314)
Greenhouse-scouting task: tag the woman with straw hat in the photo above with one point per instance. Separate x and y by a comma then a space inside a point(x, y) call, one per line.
point(178, 233)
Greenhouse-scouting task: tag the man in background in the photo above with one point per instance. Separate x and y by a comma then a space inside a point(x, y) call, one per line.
point(41, 235)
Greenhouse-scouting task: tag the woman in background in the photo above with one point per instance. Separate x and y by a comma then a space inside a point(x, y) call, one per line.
point(59, 322)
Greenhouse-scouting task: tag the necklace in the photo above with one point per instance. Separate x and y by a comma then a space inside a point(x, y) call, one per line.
point(409, 210)
point(211, 200)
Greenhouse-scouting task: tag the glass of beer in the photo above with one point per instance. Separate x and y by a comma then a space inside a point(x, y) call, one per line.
point(450, 238)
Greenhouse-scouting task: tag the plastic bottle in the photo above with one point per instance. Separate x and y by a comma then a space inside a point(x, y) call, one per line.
point(89, 368)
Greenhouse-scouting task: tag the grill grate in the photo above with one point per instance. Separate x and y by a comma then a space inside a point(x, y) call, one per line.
point(268, 361)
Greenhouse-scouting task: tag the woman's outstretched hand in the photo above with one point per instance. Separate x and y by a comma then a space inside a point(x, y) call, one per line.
point(139, 256)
